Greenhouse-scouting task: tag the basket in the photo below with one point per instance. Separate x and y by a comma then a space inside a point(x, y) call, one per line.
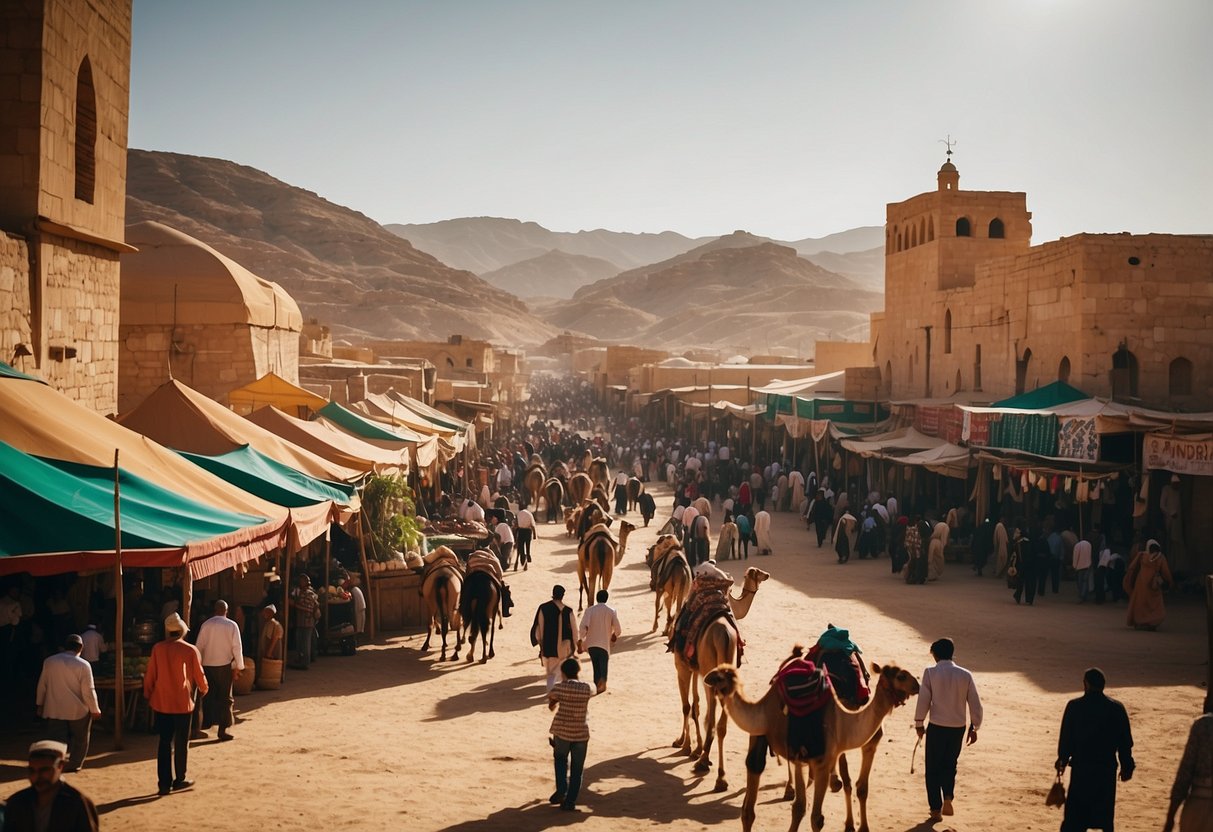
point(242, 685)
point(269, 674)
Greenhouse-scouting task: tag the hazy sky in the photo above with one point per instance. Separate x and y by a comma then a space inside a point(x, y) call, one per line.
point(788, 119)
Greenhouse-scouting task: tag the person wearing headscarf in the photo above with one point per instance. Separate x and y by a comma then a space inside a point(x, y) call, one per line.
point(1148, 575)
point(1001, 548)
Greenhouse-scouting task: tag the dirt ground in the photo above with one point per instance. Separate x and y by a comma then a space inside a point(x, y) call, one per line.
point(393, 739)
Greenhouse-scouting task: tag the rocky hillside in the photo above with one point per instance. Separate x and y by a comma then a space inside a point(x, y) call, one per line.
point(553, 274)
point(736, 292)
point(342, 267)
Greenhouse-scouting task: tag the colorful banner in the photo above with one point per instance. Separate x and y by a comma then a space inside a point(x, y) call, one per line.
point(1179, 454)
point(1077, 438)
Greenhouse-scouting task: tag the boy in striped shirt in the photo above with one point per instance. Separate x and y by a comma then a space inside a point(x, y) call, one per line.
point(570, 733)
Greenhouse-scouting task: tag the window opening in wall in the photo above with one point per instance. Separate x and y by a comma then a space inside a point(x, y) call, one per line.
point(997, 232)
point(922, 230)
point(977, 368)
point(963, 229)
point(1179, 377)
point(468, 362)
point(86, 133)
point(1063, 370)
point(888, 377)
point(913, 237)
point(1124, 373)
point(1134, 261)
point(947, 331)
point(1021, 372)
point(959, 382)
point(930, 229)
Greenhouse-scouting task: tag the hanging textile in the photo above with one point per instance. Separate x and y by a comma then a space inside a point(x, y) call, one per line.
point(1077, 438)
point(1034, 433)
point(975, 429)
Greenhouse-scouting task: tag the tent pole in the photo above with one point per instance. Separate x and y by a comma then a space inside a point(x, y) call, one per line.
point(328, 558)
point(286, 604)
point(366, 579)
point(120, 615)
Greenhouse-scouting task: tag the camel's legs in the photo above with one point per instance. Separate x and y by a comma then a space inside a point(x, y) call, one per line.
point(722, 728)
point(709, 727)
point(798, 804)
point(429, 632)
point(861, 785)
point(751, 791)
point(683, 742)
point(821, 779)
point(844, 774)
point(788, 793)
point(656, 610)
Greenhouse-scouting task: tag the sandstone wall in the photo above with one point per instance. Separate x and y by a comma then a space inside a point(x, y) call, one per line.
point(14, 298)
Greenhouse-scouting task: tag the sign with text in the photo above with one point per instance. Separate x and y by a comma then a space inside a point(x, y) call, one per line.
point(1179, 454)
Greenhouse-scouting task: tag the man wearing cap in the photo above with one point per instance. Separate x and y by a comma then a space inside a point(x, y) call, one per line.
point(221, 650)
point(48, 802)
point(554, 632)
point(67, 700)
point(173, 673)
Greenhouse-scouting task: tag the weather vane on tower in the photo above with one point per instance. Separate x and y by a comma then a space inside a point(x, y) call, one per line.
point(949, 142)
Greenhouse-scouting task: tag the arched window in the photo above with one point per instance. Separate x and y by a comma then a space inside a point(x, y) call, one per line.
point(450, 362)
point(922, 230)
point(913, 236)
point(1021, 372)
point(1063, 370)
point(977, 368)
point(959, 382)
point(1124, 373)
point(888, 240)
point(888, 377)
point(997, 232)
point(1180, 377)
point(86, 132)
point(930, 229)
point(947, 331)
point(963, 228)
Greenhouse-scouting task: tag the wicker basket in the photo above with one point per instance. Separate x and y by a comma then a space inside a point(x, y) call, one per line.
point(242, 685)
point(269, 674)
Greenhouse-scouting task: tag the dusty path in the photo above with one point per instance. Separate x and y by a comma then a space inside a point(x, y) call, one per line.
point(390, 739)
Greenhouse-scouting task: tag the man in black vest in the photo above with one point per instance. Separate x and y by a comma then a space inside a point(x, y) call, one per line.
point(554, 632)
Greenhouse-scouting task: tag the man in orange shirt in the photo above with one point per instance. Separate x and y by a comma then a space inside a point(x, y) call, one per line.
point(174, 671)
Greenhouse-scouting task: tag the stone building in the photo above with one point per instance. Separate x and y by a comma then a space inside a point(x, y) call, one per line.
point(64, 99)
point(971, 304)
point(190, 313)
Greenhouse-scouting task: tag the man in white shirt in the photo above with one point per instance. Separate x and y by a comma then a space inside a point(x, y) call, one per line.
point(599, 630)
point(621, 493)
point(94, 644)
point(221, 649)
point(474, 513)
point(505, 544)
point(67, 700)
point(525, 521)
point(947, 690)
point(1082, 568)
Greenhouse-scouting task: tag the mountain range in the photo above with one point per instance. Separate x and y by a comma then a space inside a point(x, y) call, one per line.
point(740, 292)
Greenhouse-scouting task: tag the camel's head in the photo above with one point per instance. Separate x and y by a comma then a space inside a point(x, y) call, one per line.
point(755, 576)
point(664, 543)
point(625, 528)
point(723, 681)
point(899, 684)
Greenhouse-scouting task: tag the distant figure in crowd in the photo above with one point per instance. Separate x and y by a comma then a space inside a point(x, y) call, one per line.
point(947, 691)
point(1193, 787)
point(504, 536)
point(94, 644)
point(1094, 733)
point(49, 804)
point(621, 492)
point(307, 615)
point(1145, 580)
point(67, 700)
point(599, 631)
point(983, 545)
point(173, 674)
point(359, 601)
point(762, 533)
point(222, 653)
point(525, 521)
point(570, 733)
point(554, 632)
point(1080, 560)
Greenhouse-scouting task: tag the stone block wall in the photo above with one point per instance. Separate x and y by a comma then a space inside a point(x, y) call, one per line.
point(14, 298)
point(213, 359)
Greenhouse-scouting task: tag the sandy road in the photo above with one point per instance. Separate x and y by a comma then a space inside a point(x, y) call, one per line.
point(392, 739)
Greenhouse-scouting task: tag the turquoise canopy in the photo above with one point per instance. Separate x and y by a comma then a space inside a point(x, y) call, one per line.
point(58, 517)
point(269, 479)
point(10, 372)
point(360, 425)
point(1042, 398)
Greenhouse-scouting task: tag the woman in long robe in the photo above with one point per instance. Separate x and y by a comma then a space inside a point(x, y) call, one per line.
point(935, 551)
point(1001, 545)
point(1148, 575)
point(762, 532)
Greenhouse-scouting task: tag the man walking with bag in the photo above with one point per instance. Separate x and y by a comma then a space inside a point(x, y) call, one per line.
point(554, 632)
point(947, 691)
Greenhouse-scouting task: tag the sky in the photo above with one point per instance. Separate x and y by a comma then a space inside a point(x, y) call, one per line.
point(789, 118)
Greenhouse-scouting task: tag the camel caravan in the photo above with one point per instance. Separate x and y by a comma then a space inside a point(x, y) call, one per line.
point(464, 598)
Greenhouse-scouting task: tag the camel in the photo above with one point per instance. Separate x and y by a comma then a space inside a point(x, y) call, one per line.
point(553, 494)
point(766, 723)
point(635, 489)
point(579, 488)
point(480, 607)
point(597, 556)
point(591, 515)
point(572, 518)
point(704, 506)
point(440, 587)
point(531, 487)
point(718, 642)
point(670, 579)
point(599, 496)
point(600, 472)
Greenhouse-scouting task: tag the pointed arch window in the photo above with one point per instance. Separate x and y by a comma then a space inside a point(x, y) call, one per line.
point(86, 133)
point(1021, 372)
point(1124, 373)
point(947, 331)
point(1063, 370)
point(963, 227)
point(930, 229)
